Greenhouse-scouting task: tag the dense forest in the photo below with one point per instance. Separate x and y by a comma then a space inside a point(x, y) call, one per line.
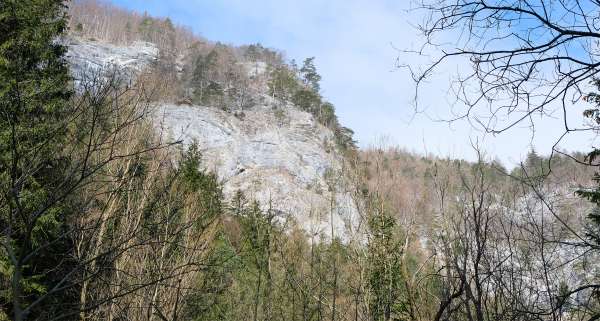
point(103, 218)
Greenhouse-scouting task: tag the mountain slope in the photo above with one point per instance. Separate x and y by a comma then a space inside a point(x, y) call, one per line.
point(278, 155)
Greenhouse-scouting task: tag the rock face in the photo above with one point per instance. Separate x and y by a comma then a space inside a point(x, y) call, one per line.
point(87, 58)
point(279, 156)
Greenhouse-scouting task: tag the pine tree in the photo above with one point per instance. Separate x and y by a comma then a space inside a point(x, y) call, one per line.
point(310, 75)
point(34, 99)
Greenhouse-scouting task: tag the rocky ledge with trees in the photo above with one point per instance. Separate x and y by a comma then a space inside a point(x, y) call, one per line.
point(107, 215)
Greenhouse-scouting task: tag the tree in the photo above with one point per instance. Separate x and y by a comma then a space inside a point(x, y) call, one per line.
point(166, 42)
point(307, 100)
point(258, 230)
point(253, 52)
point(34, 97)
point(327, 115)
point(523, 64)
point(385, 269)
point(147, 27)
point(309, 74)
point(593, 194)
point(343, 138)
point(86, 188)
point(522, 61)
point(213, 299)
point(203, 77)
point(282, 83)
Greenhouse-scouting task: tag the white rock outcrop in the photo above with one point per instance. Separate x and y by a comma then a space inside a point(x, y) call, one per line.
point(279, 156)
point(88, 58)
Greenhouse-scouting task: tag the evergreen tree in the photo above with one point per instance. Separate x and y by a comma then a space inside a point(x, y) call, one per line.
point(294, 66)
point(343, 138)
point(146, 27)
point(283, 83)
point(385, 277)
point(327, 115)
point(534, 164)
point(213, 299)
point(310, 75)
point(34, 100)
point(207, 89)
point(253, 52)
point(307, 100)
point(205, 185)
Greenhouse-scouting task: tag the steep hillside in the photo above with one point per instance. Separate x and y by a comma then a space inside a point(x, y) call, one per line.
point(271, 150)
point(281, 157)
point(87, 58)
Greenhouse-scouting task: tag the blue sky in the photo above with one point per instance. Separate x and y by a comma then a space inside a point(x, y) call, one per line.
point(355, 44)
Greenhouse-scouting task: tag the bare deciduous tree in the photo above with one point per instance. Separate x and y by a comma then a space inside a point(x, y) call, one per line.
point(527, 58)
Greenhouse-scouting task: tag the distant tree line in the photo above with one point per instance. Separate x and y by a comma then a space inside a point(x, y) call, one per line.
point(196, 70)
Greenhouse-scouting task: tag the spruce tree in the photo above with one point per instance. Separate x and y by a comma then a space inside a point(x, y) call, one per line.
point(34, 101)
point(385, 267)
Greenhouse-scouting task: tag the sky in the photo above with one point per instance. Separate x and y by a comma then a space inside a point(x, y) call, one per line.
point(357, 45)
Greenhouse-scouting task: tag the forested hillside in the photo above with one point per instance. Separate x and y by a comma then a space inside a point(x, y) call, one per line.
point(197, 70)
point(104, 215)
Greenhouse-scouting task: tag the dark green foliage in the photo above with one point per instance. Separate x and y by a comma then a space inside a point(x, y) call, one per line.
point(593, 196)
point(533, 160)
point(212, 300)
point(34, 95)
point(307, 100)
point(213, 94)
point(282, 83)
point(206, 89)
point(205, 186)
point(253, 52)
point(343, 138)
point(147, 27)
point(385, 268)
point(327, 115)
point(203, 66)
point(237, 270)
point(257, 231)
point(309, 74)
point(593, 230)
point(256, 52)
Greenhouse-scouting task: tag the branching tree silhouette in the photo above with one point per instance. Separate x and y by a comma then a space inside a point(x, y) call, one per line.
point(527, 57)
